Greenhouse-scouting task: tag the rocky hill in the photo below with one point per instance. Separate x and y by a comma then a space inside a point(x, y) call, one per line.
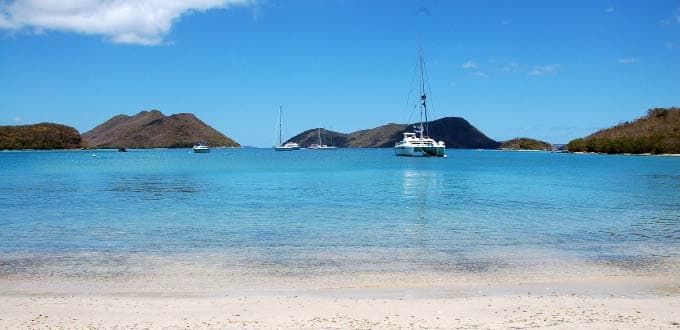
point(526, 144)
point(657, 133)
point(39, 136)
point(153, 129)
point(455, 132)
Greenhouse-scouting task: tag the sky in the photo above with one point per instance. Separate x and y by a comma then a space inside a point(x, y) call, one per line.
point(552, 70)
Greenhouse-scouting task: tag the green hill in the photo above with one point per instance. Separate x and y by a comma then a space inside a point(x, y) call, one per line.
point(39, 136)
point(153, 129)
point(656, 133)
point(526, 144)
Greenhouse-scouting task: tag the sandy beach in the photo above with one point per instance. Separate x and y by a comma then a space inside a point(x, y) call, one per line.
point(593, 303)
point(518, 312)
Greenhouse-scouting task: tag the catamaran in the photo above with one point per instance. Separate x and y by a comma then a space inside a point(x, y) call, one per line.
point(321, 146)
point(289, 146)
point(418, 142)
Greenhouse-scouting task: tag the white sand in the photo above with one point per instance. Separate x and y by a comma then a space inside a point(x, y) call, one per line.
point(522, 311)
point(592, 303)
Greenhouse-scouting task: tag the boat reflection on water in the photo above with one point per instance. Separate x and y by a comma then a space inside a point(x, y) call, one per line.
point(418, 184)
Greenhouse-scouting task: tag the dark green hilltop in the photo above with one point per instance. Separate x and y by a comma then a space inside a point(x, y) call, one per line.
point(656, 133)
point(526, 144)
point(39, 136)
point(454, 131)
point(153, 129)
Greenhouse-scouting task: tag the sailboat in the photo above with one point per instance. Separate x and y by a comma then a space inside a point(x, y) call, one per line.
point(280, 146)
point(418, 142)
point(321, 146)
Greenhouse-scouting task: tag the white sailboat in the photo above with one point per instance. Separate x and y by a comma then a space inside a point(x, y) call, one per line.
point(201, 148)
point(280, 146)
point(321, 146)
point(418, 142)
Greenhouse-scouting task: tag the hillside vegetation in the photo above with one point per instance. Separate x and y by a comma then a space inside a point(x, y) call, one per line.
point(152, 129)
point(39, 136)
point(526, 144)
point(455, 132)
point(656, 133)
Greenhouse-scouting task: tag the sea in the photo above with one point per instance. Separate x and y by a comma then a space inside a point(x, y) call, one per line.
point(108, 214)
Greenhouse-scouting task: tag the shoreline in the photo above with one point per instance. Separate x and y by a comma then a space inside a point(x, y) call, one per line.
point(604, 302)
point(347, 148)
point(383, 285)
point(623, 154)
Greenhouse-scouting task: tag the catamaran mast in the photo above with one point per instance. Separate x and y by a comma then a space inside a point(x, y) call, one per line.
point(423, 95)
point(280, 120)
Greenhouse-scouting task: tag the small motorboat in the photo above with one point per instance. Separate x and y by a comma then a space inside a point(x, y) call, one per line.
point(201, 148)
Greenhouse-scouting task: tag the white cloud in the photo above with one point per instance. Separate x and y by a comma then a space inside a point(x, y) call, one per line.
point(480, 74)
point(469, 65)
point(4, 24)
point(630, 60)
point(17, 119)
point(543, 70)
point(143, 22)
point(511, 67)
point(609, 9)
point(674, 17)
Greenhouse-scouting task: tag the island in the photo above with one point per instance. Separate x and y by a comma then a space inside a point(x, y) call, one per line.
point(524, 143)
point(39, 136)
point(456, 132)
point(656, 133)
point(153, 129)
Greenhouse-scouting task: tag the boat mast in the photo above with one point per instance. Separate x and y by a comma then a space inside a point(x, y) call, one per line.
point(423, 95)
point(280, 119)
point(319, 136)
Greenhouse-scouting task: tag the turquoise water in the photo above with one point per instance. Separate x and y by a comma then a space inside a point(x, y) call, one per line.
point(340, 210)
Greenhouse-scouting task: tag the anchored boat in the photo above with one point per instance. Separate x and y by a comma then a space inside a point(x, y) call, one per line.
point(201, 148)
point(418, 142)
point(280, 146)
point(321, 146)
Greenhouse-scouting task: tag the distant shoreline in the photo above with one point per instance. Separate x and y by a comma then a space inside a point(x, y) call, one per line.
point(350, 148)
point(625, 154)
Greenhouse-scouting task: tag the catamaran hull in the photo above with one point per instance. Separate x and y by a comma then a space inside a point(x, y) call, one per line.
point(286, 148)
point(410, 151)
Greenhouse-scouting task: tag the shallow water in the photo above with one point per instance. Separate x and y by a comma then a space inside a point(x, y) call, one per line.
point(335, 211)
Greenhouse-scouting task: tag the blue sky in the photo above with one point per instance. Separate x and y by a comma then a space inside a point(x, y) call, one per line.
point(544, 69)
